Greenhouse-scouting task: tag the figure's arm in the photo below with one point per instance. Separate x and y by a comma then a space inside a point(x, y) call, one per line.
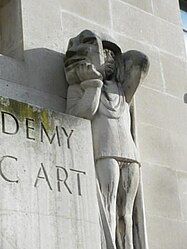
point(83, 100)
point(136, 68)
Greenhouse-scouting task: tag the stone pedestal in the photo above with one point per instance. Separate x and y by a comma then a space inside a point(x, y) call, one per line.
point(47, 180)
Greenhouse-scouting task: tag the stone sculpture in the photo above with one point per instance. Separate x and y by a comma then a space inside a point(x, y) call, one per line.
point(102, 81)
point(185, 98)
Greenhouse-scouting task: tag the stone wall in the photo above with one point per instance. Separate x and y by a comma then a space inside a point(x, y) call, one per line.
point(11, 29)
point(151, 26)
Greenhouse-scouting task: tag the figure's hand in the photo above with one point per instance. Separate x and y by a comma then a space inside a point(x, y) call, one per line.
point(87, 71)
point(72, 77)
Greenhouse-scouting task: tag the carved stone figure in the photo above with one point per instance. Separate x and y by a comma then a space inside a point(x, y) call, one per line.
point(185, 98)
point(102, 81)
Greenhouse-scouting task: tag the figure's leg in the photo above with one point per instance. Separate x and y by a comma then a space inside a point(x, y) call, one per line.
point(107, 170)
point(129, 182)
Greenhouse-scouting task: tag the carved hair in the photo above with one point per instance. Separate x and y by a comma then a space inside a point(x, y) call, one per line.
point(113, 66)
point(109, 65)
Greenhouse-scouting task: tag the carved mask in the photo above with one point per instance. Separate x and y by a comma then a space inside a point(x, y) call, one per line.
point(84, 48)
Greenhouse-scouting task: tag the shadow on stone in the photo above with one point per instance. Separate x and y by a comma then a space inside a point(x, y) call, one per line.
point(38, 79)
point(46, 70)
point(185, 98)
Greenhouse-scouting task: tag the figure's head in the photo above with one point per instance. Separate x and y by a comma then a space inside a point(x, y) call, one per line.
point(84, 48)
point(97, 49)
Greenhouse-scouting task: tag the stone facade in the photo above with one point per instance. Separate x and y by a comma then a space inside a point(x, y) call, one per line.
point(35, 75)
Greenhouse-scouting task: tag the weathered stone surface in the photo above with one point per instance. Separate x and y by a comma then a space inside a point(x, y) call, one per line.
point(149, 104)
point(148, 28)
point(167, 9)
point(48, 191)
point(29, 95)
point(144, 4)
point(77, 24)
point(175, 75)
point(182, 182)
point(179, 143)
point(11, 29)
point(163, 120)
point(160, 146)
point(177, 115)
point(155, 145)
point(12, 70)
point(42, 70)
point(37, 80)
point(46, 16)
point(45, 71)
point(166, 233)
point(89, 10)
point(183, 207)
point(169, 38)
point(161, 191)
point(133, 22)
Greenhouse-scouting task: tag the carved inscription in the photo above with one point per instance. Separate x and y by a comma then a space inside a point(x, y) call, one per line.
point(45, 176)
point(6, 178)
point(67, 180)
point(62, 176)
point(58, 134)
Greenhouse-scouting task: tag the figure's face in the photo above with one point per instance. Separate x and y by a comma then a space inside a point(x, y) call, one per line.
point(84, 48)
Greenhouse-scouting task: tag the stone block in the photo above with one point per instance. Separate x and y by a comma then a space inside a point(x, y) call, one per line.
point(179, 143)
point(42, 70)
point(167, 9)
point(161, 192)
point(182, 182)
point(155, 145)
point(144, 4)
point(13, 70)
point(11, 29)
point(45, 69)
point(29, 95)
point(161, 128)
point(133, 22)
point(90, 10)
point(48, 189)
point(154, 78)
point(177, 115)
point(151, 108)
point(46, 16)
point(169, 37)
point(16, 52)
point(166, 233)
point(38, 231)
point(183, 207)
point(175, 75)
point(73, 25)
